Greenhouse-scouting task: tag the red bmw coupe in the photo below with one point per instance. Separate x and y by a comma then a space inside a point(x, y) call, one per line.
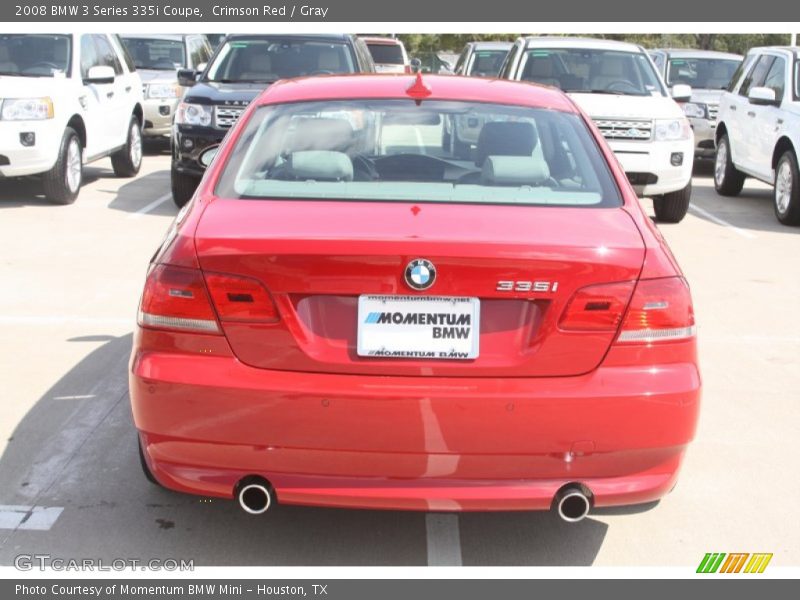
point(351, 313)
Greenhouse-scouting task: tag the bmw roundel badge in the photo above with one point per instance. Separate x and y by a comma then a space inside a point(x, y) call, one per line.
point(420, 274)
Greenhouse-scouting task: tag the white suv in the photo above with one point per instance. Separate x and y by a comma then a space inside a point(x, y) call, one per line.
point(66, 100)
point(617, 85)
point(758, 129)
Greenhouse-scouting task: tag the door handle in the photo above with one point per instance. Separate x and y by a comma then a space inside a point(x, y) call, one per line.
point(128, 89)
point(732, 107)
point(110, 95)
point(750, 113)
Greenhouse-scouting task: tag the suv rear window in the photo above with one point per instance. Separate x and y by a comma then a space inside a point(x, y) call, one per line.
point(386, 54)
point(396, 150)
point(265, 60)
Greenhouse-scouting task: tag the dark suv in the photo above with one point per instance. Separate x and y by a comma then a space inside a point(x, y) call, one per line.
point(240, 69)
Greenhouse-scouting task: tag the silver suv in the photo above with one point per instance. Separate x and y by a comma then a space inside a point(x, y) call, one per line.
point(708, 73)
point(158, 57)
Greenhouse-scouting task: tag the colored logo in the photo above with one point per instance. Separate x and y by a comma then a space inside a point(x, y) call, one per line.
point(736, 562)
point(420, 274)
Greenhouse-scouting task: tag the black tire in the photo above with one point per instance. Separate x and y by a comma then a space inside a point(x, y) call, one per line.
point(128, 161)
point(786, 195)
point(672, 207)
point(145, 469)
point(59, 187)
point(183, 187)
point(728, 180)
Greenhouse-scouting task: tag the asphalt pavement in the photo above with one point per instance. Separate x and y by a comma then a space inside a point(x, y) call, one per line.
point(70, 481)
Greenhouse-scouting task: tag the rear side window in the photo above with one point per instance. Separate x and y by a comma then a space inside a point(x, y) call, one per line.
point(396, 150)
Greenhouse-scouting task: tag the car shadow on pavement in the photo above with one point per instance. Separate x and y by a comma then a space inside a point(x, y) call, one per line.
point(140, 194)
point(76, 449)
point(27, 191)
point(752, 209)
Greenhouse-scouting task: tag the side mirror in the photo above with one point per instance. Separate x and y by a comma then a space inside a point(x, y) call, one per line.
point(100, 74)
point(762, 95)
point(681, 92)
point(187, 77)
point(207, 156)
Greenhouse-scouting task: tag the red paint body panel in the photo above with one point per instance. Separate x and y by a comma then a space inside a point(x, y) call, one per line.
point(291, 402)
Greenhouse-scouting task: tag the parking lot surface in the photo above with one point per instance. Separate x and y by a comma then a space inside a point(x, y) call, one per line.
point(70, 481)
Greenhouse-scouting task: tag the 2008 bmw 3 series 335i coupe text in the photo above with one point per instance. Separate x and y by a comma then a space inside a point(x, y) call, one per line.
point(348, 315)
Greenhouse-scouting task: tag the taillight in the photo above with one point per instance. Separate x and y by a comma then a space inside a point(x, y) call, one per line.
point(597, 307)
point(660, 310)
point(176, 298)
point(240, 299)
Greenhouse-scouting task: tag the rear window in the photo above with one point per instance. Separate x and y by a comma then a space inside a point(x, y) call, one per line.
point(396, 150)
point(386, 54)
point(267, 60)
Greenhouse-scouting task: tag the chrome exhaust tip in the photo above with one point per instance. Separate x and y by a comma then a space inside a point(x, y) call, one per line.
point(255, 496)
point(573, 502)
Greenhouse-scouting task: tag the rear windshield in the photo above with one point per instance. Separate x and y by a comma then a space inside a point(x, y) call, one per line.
point(396, 150)
point(487, 63)
point(34, 55)
point(267, 60)
point(386, 54)
point(159, 55)
point(583, 70)
point(702, 73)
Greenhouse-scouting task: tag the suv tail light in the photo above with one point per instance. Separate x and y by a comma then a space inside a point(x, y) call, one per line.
point(661, 310)
point(176, 298)
point(597, 307)
point(240, 299)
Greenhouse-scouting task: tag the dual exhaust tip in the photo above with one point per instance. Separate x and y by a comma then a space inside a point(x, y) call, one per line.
point(572, 501)
point(255, 495)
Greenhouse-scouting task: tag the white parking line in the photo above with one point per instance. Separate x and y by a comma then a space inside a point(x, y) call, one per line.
point(31, 518)
point(148, 207)
point(444, 540)
point(723, 222)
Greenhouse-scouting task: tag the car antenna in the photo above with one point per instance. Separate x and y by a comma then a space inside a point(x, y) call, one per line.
point(418, 90)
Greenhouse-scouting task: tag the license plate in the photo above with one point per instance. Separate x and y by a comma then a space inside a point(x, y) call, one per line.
point(418, 327)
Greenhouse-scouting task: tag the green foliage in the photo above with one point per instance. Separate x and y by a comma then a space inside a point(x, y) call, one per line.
point(727, 42)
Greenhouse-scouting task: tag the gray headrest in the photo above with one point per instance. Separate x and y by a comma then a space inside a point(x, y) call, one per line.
point(321, 134)
point(505, 138)
point(514, 171)
point(320, 165)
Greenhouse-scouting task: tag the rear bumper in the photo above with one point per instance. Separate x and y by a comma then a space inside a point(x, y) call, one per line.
point(413, 443)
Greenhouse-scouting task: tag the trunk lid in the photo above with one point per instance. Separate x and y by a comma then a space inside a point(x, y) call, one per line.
point(317, 258)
